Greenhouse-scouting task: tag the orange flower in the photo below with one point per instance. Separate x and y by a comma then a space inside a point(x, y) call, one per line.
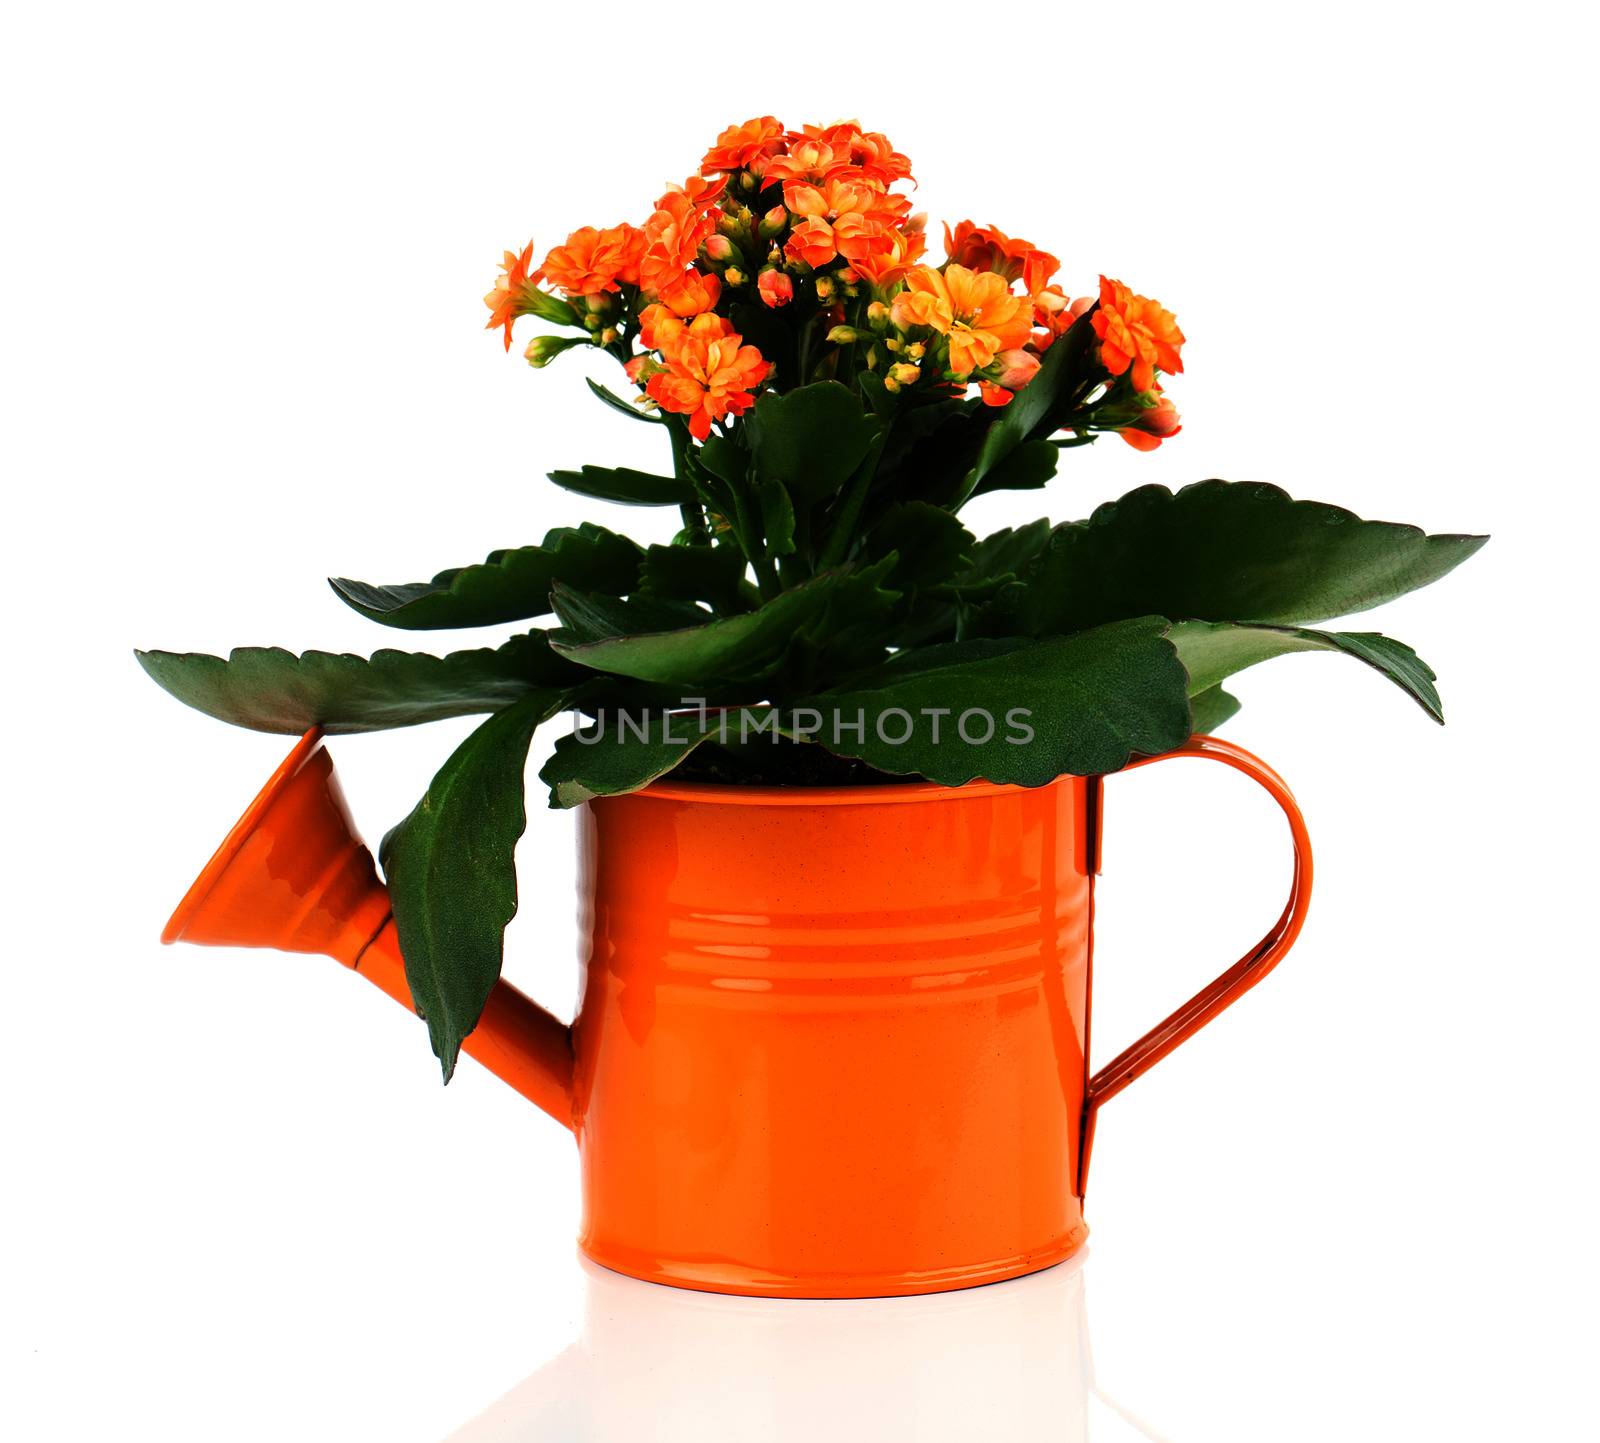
point(744, 147)
point(632, 246)
point(593, 260)
point(839, 217)
point(505, 301)
point(776, 289)
point(701, 193)
point(1138, 332)
point(893, 254)
point(691, 294)
point(993, 395)
point(987, 248)
point(672, 240)
point(985, 318)
point(1055, 315)
point(866, 149)
point(659, 326)
point(807, 159)
point(812, 242)
point(922, 306)
point(709, 374)
point(1153, 427)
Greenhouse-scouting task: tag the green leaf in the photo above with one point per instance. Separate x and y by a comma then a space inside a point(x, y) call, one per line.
point(1213, 651)
point(930, 543)
point(777, 516)
point(1212, 708)
point(1026, 468)
point(1225, 551)
point(1005, 553)
point(1064, 378)
point(629, 488)
point(845, 515)
point(724, 459)
point(618, 404)
point(857, 627)
point(271, 690)
point(694, 573)
point(743, 648)
point(509, 586)
point(1091, 701)
point(588, 616)
point(452, 875)
point(622, 755)
point(810, 439)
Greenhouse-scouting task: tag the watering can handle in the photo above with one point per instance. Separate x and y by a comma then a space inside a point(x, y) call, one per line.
point(1238, 979)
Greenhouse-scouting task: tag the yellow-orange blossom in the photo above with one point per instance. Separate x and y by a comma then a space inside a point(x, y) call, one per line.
point(974, 311)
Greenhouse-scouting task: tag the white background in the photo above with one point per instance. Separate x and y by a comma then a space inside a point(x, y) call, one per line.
point(243, 350)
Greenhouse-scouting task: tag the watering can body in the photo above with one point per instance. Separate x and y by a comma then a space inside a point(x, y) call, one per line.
point(830, 1042)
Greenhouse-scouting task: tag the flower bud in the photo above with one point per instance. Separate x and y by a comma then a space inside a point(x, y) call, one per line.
point(773, 222)
point(1159, 419)
point(916, 351)
point(878, 316)
point(544, 349)
point(1017, 368)
point(904, 373)
point(844, 336)
point(824, 288)
point(719, 248)
point(776, 288)
point(1156, 422)
point(733, 276)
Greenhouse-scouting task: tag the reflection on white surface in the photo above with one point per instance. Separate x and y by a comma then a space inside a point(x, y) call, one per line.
point(1007, 1362)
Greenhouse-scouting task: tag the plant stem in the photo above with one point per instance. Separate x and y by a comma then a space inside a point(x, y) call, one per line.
point(839, 538)
point(694, 516)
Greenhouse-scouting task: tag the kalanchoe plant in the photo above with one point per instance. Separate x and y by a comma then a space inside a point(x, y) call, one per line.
point(829, 402)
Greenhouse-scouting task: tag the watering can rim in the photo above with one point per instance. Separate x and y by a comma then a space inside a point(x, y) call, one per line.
point(883, 793)
point(873, 794)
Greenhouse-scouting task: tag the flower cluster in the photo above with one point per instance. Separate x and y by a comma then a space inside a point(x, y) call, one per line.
point(793, 256)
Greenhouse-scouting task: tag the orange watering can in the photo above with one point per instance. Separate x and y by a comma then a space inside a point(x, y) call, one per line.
point(832, 1042)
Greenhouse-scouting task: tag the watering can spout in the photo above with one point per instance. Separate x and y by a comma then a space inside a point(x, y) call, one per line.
point(293, 874)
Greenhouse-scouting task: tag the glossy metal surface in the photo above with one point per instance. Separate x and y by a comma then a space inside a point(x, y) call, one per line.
point(831, 1043)
point(293, 874)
